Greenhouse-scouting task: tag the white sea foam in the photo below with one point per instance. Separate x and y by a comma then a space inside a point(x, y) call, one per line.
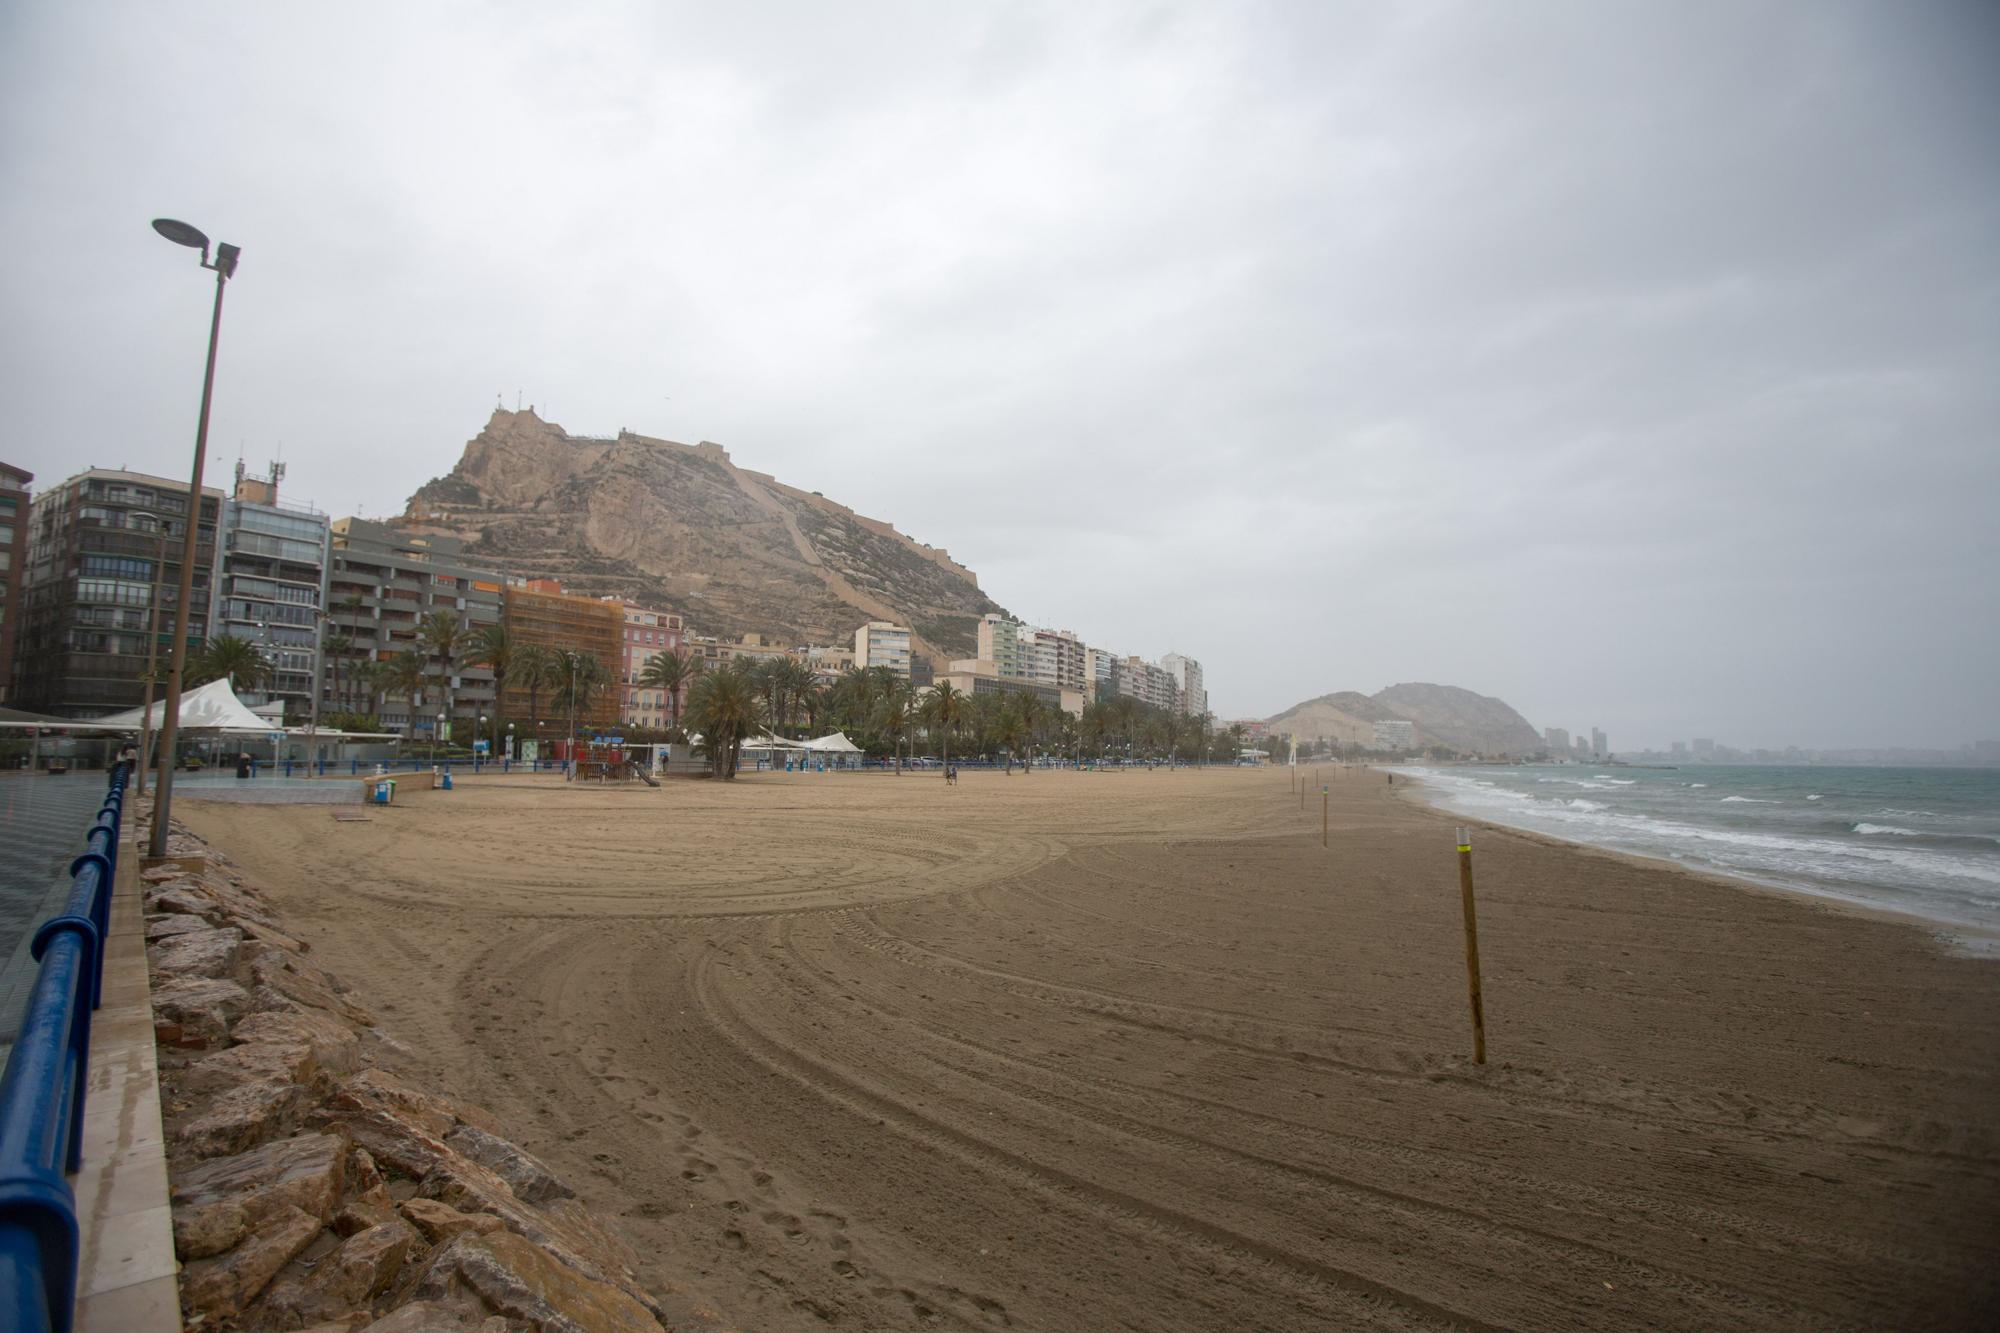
point(1812, 798)
point(1886, 861)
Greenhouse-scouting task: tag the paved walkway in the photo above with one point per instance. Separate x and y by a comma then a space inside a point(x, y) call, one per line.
point(42, 822)
point(126, 1280)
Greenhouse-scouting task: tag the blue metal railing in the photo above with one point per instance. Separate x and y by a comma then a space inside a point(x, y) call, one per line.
point(41, 1094)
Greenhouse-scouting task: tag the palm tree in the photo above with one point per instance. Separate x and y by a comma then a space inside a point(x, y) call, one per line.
point(445, 636)
point(334, 649)
point(226, 657)
point(723, 706)
point(578, 678)
point(532, 667)
point(1028, 717)
point(367, 679)
point(492, 646)
point(894, 717)
point(669, 671)
point(408, 672)
point(943, 710)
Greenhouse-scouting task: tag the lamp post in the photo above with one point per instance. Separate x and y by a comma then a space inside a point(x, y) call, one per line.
point(224, 267)
point(435, 732)
point(510, 744)
point(478, 726)
point(569, 770)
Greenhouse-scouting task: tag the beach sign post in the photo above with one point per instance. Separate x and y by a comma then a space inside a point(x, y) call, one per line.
point(1471, 946)
point(1322, 813)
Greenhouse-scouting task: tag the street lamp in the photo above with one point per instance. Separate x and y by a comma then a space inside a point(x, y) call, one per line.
point(434, 739)
point(510, 744)
point(224, 268)
point(478, 726)
point(569, 772)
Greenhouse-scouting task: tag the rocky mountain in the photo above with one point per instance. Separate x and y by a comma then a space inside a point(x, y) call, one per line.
point(1444, 714)
point(681, 527)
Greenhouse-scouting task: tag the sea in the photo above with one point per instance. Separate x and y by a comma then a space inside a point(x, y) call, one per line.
point(1919, 841)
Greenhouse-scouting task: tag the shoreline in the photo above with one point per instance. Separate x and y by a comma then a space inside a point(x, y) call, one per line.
point(1958, 938)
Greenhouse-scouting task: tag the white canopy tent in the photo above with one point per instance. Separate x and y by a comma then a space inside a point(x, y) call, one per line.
point(836, 743)
point(213, 707)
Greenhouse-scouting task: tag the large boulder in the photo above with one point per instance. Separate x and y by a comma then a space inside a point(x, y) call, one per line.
point(359, 1269)
point(439, 1222)
point(258, 1062)
point(199, 953)
point(526, 1174)
point(517, 1280)
point(217, 1202)
point(335, 1047)
point(221, 1287)
point(244, 1116)
point(299, 982)
point(196, 1012)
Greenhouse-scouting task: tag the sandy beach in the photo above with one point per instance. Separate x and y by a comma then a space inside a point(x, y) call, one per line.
point(1131, 1050)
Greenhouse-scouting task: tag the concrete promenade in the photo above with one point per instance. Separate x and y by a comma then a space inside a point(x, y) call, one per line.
point(126, 1282)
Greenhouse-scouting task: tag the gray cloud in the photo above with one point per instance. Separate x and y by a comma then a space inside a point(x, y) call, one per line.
point(1633, 362)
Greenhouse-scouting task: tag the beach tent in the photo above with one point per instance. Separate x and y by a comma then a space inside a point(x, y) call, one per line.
point(837, 743)
point(213, 708)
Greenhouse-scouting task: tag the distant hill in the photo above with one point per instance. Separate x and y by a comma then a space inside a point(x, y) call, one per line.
point(1444, 715)
point(681, 527)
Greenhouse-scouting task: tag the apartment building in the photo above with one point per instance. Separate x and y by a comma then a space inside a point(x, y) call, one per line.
point(541, 612)
point(1189, 690)
point(1100, 673)
point(1000, 643)
point(382, 582)
point(271, 587)
point(15, 501)
point(1056, 658)
point(647, 632)
point(881, 644)
point(103, 574)
point(1148, 683)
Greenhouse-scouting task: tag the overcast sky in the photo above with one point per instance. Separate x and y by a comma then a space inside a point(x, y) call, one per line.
point(1637, 363)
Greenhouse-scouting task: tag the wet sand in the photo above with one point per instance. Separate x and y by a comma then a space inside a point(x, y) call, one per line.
point(1130, 1050)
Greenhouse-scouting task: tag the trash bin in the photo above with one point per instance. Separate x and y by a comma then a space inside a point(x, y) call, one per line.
point(446, 784)
point(385, 792)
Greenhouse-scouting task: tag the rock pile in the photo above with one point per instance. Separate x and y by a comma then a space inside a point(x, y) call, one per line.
point(314, 1190)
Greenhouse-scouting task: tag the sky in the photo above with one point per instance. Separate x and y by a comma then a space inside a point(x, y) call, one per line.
point(1636, 363)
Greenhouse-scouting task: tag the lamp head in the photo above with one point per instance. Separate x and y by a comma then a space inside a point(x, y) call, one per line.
point(181, 233)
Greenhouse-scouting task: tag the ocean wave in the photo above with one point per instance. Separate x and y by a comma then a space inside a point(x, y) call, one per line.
point(1813, 798)
point(1866, 829)
point(1579, 803)
point(1697, 784)
point(1745, 800)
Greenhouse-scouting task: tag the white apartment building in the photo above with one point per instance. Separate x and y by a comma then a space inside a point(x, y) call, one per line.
point(881, 644)
point(1187, 680)
point(1056, 658)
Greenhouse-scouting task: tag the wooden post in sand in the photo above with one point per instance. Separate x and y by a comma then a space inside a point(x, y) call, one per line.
point(1471, 946)
point(1322, 814)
